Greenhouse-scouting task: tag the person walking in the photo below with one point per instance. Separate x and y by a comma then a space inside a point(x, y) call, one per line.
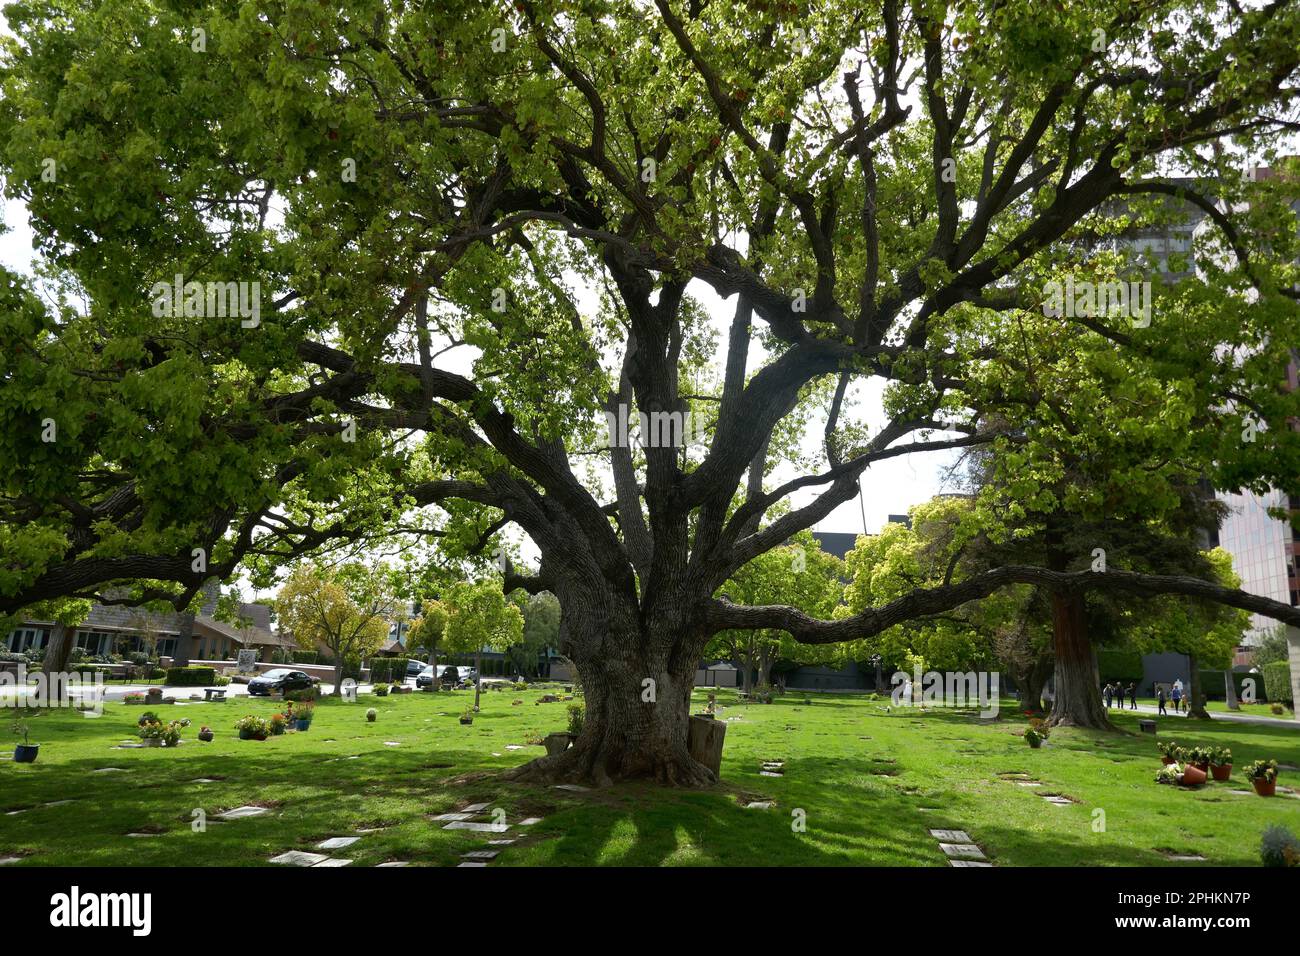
point(1105, 695)
point(1132, 696)
point(1177, 695)
point(1160, 699)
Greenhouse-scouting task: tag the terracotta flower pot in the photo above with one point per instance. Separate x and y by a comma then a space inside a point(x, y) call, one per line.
point(1167, 760)
point(1265, 788)
point(1193, 776)
point(1203, 767)
point(1221, 771)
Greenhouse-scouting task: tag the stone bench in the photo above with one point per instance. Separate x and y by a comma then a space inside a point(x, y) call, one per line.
point(214, 693)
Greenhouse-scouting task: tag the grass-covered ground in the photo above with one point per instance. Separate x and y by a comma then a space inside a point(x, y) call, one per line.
point(869, 782)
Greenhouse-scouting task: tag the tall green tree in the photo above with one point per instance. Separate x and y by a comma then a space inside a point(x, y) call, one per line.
point(799, 574)
point(881, 193)
point(479, 617)
point(427, 632)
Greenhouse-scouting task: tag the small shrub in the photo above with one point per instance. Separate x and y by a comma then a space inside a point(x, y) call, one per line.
point(371, 714)
point(1265, 770)
point(305, 695)
point(1173, 750)
point(1279, 847)
point(253, 725)
point(577, 717)
point(192, 676)
point(381, 690)
point(1169, 773)
point(1277, 709)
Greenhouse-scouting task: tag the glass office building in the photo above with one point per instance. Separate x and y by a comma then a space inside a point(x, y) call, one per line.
point(1263, 550)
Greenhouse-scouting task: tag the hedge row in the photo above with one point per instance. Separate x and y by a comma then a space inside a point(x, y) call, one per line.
point(192, 676)
point(387, 669)
point(1214, 687)
point(1277, 682)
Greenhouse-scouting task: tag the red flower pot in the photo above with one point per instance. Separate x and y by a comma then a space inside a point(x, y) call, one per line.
point(1193, 776)
point(1203, 767)
point(1167, 760)
point(1265, 788)
point(1221, 771)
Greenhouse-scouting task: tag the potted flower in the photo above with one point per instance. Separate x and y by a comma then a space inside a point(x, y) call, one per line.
point(152, 733)
point(148, 717)
point(171, 735)
point(1170, 773)
point(1035, 733)
point(1220, 763)
point(133, 698)
point(371, 714)
point(26, 751)
point(302, 715)
point(467, 717)
point(1263, 777)
point(205, 734)
point(252, 728)
point(1199, 757)
point(277, 724)
point(1170, 753)
point(381, 690)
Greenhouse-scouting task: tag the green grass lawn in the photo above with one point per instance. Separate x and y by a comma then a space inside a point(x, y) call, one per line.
point(869, 784)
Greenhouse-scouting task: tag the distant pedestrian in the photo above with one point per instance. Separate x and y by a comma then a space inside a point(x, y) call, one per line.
point(1160, 700)
point(1105, 695)
point(1178, 699)
point(1132, 697)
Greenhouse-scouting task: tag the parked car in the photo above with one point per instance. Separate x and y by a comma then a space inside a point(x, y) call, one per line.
point(414, 667)
point(280, 679)
point(447, 673)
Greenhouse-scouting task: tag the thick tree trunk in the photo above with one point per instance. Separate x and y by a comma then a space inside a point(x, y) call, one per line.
point(338, 678)
point(183, 641)
point(1195, 696)
point(1230, 690)
point(433, 662)
point(57, 650)
point(1031, 681)
point(1078, 702)
point(633, 729)
point(478, 677)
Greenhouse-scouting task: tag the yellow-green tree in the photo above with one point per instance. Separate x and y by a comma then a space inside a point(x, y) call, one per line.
point(427, 631)
point(479, 615)
point(346, 609)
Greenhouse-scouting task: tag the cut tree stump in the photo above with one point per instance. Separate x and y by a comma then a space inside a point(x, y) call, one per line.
point(1147, 726)
point(704, 742)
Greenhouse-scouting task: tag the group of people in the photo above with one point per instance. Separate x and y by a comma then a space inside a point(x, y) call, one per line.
point(1115, 693)
point(1175, 694)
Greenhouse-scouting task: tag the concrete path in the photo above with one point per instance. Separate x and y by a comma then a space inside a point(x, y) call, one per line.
point(1154, 710)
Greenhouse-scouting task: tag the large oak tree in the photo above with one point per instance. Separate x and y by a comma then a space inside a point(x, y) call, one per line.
point(879, 191)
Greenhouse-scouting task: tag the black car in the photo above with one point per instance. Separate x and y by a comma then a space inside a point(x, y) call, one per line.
point(413, 667)
point(281, 679)
point(449, 674)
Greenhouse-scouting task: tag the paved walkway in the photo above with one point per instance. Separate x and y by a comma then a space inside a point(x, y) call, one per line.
point(1215, 715)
